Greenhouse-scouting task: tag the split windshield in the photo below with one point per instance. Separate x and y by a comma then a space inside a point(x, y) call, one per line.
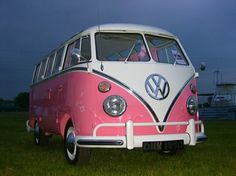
point(121, 47)
point(131, 48)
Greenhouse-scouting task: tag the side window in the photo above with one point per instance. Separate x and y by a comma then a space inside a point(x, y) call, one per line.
point(68, 55)
point(69, 61)
point(49, 65)
point(42, 70)
point(85, 48)
point(36, 73)
point(57, 62)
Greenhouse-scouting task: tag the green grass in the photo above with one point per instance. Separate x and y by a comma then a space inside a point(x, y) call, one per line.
point(19, 156)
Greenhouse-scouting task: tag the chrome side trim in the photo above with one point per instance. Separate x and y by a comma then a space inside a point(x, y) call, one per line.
point(100, 142)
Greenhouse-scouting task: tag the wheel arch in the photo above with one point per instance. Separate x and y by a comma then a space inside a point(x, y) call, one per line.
point(65, 119)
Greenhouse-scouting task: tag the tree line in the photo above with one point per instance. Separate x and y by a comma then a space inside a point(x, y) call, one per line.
point(20, 103)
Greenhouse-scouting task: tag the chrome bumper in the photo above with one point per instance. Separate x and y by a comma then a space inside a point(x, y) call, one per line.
point(131, 141)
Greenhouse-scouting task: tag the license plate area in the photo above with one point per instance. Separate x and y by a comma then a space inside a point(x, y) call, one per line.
point(163, 145)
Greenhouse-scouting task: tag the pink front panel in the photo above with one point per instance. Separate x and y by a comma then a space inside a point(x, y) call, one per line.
point(87, 107)
point(179, 112)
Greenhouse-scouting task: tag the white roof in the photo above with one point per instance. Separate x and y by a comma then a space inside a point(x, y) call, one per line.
point(129, 27)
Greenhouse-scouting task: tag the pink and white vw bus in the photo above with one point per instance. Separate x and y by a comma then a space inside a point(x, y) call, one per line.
point(116, 86)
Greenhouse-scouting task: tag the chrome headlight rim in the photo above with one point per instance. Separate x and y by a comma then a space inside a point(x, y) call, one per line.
point(192, 105)
point(114, 105)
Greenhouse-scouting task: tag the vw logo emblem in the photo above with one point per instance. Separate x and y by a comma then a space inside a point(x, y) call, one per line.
point(157, 87)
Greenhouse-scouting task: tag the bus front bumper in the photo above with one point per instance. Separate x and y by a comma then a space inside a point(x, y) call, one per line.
point(131, 141)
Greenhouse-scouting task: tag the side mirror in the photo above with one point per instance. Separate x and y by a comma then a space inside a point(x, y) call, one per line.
point(75, 55)
point(202, 66)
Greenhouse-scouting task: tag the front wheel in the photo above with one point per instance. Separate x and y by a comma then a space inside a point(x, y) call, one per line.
point(70, 147)
point(74, 154)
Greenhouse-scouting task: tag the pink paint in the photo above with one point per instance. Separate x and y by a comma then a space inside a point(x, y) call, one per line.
point(179, 111)
point(83, 103)
point(75, 96)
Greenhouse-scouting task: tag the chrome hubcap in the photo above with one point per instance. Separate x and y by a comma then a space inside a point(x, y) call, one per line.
point(70, 143)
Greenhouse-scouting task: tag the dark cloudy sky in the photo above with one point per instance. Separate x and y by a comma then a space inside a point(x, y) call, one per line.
point(29, 29)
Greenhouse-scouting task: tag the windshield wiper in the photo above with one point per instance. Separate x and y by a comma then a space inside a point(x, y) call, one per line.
point(130, 52)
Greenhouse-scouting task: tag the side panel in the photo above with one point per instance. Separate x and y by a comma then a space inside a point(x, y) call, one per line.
point(44, 104)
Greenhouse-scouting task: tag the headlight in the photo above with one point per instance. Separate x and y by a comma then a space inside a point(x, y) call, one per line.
point(192, 105)
point(114, 105)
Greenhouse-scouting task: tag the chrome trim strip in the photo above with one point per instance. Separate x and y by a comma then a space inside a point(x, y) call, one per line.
point(100, 142)
point(77, 68)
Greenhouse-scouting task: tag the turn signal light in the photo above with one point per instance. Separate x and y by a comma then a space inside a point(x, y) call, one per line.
point(104, 86)
point(193, 88)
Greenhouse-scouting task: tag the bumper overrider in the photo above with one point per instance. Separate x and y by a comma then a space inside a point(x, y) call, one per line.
point(131, 141)
point(27, 126)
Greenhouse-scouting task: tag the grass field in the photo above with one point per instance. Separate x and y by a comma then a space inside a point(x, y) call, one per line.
point(19, 156)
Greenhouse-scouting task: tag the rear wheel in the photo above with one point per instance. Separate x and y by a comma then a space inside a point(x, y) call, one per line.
point(39, 136)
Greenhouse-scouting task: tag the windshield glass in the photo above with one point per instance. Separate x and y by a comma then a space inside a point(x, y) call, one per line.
point(121, 47)
point(165, 50)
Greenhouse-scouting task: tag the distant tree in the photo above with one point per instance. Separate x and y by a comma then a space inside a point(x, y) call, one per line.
point(7, 105)
point(1, 101)
point(22, 101)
